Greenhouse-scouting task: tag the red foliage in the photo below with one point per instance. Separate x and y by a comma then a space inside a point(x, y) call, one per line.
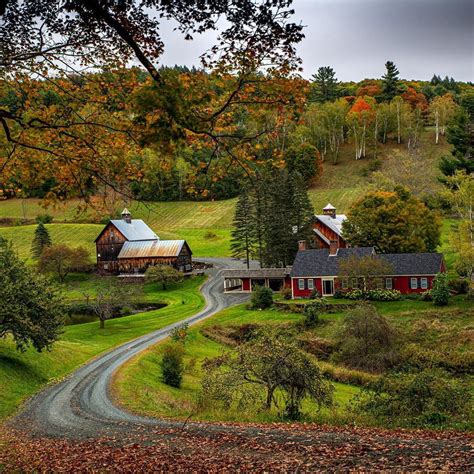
point(360, 106)
point(371, 90)
point(417, 100)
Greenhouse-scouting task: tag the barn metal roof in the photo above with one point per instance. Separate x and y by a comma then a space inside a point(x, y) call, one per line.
point(256, 273)
point(334, 223)
point(151, 248)
point(135, 230)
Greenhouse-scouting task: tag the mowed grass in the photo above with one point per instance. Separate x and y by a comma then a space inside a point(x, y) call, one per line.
point(138, 384)
point(23, 374)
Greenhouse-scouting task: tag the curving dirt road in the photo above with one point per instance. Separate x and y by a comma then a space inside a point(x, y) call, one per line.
point(77, 416)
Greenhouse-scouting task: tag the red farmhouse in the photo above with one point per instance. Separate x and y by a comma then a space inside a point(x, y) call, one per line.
point(317, 269)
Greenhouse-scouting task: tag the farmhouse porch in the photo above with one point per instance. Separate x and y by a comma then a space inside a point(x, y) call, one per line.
point(244, 281)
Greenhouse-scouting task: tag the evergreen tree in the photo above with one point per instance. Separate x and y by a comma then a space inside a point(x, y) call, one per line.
point(243, 234)
point(324, 87)
point(41, 240)
point(390, 81)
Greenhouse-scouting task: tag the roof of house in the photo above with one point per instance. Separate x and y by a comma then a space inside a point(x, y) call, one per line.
point(329, 207)
point(414, 263)
point(334, 223)
point(256, 273)
point(135, 230)
point(151, 248)
point(318, 262)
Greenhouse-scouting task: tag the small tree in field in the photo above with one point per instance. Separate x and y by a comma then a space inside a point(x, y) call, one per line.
point(31, 309)
point(60, 260)
point(163, 274)
point(106, 301)
point(262, 297)
point(268, 363)
point(440, 290)
point(41, 240)
point(172, 366)
point(367, 340)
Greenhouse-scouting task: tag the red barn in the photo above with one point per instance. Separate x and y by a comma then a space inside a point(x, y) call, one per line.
point(327, 228)
point(318, 269)
point(129, 246)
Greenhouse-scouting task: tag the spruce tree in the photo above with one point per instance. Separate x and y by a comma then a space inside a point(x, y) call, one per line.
point(41, 240)
point(390, 81)
point(243, 234)
point(324, 87)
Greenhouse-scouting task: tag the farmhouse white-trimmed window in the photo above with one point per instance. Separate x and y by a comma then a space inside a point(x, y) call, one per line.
point(388, 283)
point(301, 283)
point(379, 283)
point(345, 284)
point(414, 283)
point(310, 284)
point(354, 283)
point(424, 283)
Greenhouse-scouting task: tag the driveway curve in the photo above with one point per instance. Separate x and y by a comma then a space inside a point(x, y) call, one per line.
point(81, 407)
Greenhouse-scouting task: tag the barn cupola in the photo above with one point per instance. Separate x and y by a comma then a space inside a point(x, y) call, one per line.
point(330, 210)
point(126, 216)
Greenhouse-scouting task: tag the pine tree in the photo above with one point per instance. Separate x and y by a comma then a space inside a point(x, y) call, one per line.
point(324, 87)
point(41, 240)
point(243, 233)
point(390, 81)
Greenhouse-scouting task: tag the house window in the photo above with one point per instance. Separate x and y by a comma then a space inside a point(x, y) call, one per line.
point(413, 283)
point(388, 283)
point(301, 284)
point(424, 283)
point(379, 283)
point(354, 283)
point(345, 284)
point(310, 284)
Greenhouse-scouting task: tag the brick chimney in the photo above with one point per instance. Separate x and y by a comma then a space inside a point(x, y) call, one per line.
point(333, 247)
point(302, 245)
point(126, 216)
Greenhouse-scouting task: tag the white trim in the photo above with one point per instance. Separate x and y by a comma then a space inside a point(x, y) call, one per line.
point(424, 287)
point(415, 279)
point(322, 286)
point(311, 280)
point(301, 280)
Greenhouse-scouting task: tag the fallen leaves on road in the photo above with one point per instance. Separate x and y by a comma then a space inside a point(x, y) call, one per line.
point(256, 448)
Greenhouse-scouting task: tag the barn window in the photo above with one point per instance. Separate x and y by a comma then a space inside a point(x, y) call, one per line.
point(388, 283)
point(310, 284)
point(413, 283)
point(301, 284)
point(424, 283)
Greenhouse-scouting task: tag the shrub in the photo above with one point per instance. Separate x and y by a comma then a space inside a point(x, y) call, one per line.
point(262, 297)
point(367, 340)
point(338, 294)
point(286, 293)
point(312, 312)
point(470, 295)
point(44, 219)
point(383, 295)
point(172, 366)
point(315, 294)
point(459, 286)
point(417, 399)
point(440, 290)
point(355, 295)
point(209, 235)
point(426, 296)
point(180, 333)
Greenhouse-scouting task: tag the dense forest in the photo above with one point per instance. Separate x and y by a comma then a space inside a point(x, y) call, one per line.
point(122, 140)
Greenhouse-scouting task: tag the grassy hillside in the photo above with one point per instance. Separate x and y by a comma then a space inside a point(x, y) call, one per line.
point(22, 374)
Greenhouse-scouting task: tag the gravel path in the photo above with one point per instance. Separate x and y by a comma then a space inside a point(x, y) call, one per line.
point(75, 426)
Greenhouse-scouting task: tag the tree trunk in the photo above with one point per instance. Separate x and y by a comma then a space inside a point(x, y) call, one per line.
point(101, 323)
point(437, 127)
point(164, 286)
point(268, 401)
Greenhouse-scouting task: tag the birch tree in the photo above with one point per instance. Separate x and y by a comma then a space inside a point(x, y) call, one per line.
point(442, 110)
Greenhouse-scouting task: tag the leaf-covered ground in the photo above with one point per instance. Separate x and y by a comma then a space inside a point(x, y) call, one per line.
point(256, 448)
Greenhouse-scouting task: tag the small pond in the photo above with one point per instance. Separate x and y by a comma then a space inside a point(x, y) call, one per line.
point(81, 312)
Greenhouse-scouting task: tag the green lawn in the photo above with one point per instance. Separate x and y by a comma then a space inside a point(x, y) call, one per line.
point(139, 388)
point(22, 374)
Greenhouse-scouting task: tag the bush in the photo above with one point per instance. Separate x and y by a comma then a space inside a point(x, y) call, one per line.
point(262, 297)
point(44, 219)
point(355, 295)
point(420, 399)
point(286, 293)
point(338, 294)
point(383, 295)
point(315, 294)
point(440, 290)
point(312, 312)
point(426, 296)
point(459, 286)
point(172, 366)
point(470, 295)
point(209, 235)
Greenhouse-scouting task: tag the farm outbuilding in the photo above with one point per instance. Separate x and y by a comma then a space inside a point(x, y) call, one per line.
point(129, 246)
point(245, 281)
